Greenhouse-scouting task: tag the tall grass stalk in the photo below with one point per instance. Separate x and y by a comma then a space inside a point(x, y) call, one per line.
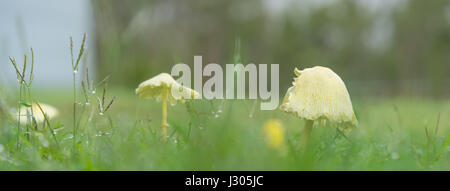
point(24, 95)
point(20, 80)
point(75, 70)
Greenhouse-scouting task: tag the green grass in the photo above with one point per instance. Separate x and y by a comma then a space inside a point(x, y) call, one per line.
point(393, 134)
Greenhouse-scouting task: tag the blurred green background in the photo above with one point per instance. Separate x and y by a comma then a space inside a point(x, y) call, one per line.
point(379, 48)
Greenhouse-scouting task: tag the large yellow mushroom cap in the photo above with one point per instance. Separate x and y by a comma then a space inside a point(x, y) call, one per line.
point(319, 93)
point(155, 87)
point(34, 110)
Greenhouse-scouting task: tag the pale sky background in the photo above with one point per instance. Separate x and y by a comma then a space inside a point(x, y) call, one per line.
point(46, 25)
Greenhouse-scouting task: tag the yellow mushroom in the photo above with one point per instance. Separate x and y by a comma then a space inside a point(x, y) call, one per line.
point(318, 94)
point(34, 110)
point(274, 133)
point(165, 89)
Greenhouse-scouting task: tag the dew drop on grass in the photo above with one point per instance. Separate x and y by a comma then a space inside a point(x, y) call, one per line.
point(395, 156)
point(87, 103)
point(101, 113)
point(44, 142)
point(219, 111)
point(93, 92)
point(101, 133)
point(75, 71)
point(419, 151)
point(67, 138)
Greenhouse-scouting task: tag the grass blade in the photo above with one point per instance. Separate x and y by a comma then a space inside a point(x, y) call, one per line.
point(48, 124)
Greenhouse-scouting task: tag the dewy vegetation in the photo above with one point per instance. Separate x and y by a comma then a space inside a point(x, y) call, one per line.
point(31, 131)
point(124, 133)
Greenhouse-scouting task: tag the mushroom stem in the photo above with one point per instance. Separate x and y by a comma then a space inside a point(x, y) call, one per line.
point(164, 123)
point(306, 133)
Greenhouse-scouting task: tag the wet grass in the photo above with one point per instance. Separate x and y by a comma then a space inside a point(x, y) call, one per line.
point(103, 127)
point(393, 134)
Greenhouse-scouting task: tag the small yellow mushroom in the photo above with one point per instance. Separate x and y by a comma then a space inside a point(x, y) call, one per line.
point(164, 88)
point(318, 94)
point(274, 134)
point(34, 111)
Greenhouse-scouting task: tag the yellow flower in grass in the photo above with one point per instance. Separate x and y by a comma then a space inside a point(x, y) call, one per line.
point(274, 134)
point(165, 89)
point(318, 94)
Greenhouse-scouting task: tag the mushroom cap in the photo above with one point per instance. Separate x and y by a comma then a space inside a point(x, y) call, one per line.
point(49, 110)
point(155, 87)
point(319, 93)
